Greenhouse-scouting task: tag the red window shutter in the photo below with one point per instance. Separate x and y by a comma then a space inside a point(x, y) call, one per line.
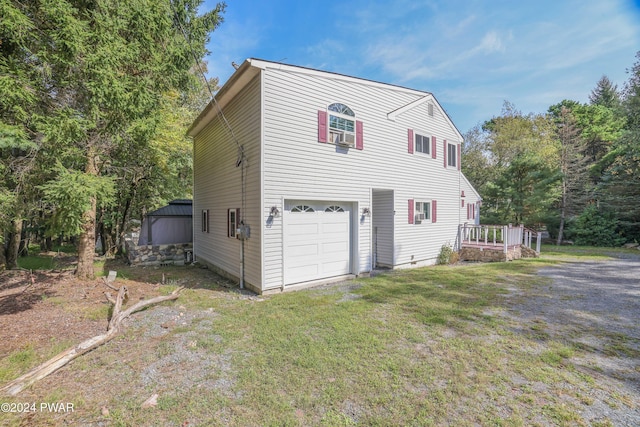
point(410, 142)
point(433, 147)
point(459, 155)
point(411, 207)
point(462, 205)
point(434, 211)
point(444, 155)
point(359, 141)
point(322, 126)
point(468, 211)
point(473, 211)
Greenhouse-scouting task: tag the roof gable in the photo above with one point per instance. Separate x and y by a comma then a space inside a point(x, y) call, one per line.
point(392, 115)
point(253, 66)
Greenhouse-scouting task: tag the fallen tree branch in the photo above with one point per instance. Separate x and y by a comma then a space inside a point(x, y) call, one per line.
point(16, 386)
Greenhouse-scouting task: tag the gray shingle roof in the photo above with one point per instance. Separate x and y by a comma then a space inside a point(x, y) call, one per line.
point(178, 207)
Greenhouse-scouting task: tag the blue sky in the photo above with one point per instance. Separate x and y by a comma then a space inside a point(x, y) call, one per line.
point(472, 55)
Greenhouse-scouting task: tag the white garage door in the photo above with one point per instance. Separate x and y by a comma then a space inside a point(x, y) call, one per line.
point(317, 240)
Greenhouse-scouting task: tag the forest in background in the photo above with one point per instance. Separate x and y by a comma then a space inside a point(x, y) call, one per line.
point(573, 170)
point(95, 100)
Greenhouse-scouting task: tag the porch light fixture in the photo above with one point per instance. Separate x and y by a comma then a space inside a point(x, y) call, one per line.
point(366, 212)
point(274, 212)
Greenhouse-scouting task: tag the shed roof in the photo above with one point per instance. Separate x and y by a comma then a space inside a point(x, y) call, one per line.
point(177, 207)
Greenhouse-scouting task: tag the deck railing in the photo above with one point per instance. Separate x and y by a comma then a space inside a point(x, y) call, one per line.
point(503, 236)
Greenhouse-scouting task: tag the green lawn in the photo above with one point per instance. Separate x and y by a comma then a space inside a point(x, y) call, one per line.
point(416, 347)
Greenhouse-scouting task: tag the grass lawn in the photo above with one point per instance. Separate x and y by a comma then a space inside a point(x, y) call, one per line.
point(415, 347)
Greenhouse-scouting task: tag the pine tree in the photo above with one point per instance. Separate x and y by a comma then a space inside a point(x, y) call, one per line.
point(573, 169)
point(99, 71)
point(605, 93)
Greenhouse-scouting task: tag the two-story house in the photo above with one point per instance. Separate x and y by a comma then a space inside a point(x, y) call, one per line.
point(302, 176)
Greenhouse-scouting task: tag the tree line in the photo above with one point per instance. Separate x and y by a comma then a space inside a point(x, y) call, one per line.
point(574, 170)
point(95, 98)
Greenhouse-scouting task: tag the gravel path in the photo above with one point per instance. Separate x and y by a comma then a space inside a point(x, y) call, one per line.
point(594, 306)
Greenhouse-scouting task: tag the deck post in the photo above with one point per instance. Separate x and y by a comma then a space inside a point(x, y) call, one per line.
point(538, 241)
point(505, 238)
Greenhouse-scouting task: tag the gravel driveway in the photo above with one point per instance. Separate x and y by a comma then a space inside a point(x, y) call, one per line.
point(595, 307)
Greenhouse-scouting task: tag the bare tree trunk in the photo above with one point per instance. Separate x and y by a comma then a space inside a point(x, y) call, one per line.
point(87, 239)
point(14, 244)
point(3, 257)
point(563, 212)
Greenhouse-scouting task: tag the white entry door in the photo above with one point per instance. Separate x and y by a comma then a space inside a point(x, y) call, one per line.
point(317, 240)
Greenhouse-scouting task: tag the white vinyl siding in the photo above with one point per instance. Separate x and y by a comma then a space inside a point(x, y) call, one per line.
point(297, 166)
point(217, 186)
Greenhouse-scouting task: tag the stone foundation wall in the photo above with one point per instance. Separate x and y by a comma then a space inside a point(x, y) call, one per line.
point(146, 255)
point(490, 255)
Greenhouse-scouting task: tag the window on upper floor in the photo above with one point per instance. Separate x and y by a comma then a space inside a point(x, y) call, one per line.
point(338, 125)
point(342, 125)
point(423, 144)
point(452, 155)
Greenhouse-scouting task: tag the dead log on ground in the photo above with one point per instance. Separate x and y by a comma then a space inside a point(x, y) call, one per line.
point(16, 386)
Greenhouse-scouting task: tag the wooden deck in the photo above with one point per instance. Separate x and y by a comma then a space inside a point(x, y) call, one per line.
point(494, 242)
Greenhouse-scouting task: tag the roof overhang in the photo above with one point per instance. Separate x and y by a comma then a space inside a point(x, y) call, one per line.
point(238, 80)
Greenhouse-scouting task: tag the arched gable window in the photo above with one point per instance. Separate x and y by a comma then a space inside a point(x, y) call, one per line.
point(343, 128)
point(341, 109)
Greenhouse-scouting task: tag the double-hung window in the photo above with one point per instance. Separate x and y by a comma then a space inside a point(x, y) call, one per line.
point(452, 155)
point(342, 125)
point(423, 144)
point(423, 211)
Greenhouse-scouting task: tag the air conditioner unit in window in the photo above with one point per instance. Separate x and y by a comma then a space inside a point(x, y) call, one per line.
point(419, 217)
point(342, 138)
point(349, 139)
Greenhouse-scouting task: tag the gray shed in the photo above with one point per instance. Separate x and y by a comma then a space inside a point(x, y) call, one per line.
point(168, 225)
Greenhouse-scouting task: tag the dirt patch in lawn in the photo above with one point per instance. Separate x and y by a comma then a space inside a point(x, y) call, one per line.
point(39, 308)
